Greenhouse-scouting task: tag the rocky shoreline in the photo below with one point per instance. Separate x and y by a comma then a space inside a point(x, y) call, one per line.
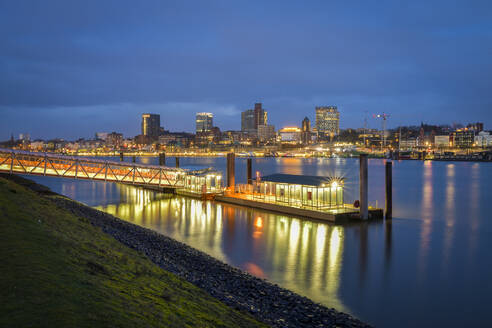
point(267, 302)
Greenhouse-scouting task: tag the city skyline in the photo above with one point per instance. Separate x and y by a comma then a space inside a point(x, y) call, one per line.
point(62, 75)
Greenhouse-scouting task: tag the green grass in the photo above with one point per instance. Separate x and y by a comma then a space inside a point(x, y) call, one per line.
point(58, 270)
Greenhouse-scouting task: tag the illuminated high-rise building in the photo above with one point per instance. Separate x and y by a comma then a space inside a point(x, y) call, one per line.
point(151, 124)
point(204, 122)
point(261, 116)
point(306, 131)
point(248, 121)
point(327, 120)
point(252, 118)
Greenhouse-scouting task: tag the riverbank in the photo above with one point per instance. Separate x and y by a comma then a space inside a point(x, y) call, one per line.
point(266, 302)
point(58, 270)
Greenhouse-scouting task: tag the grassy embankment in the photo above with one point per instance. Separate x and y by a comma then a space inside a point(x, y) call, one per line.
point(56, 269)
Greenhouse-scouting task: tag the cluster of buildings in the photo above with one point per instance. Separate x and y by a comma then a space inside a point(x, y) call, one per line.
point(255, 130)
point(470, 136)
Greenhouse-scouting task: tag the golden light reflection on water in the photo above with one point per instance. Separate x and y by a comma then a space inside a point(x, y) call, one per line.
point(300, 255)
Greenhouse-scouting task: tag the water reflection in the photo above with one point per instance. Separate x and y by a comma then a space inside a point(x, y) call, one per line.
point(426, 267)
point(300, 255)
point(426, 214)
point(474, 208)
point(449, 215)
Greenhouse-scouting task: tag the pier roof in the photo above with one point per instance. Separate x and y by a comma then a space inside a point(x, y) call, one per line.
point(307, 180)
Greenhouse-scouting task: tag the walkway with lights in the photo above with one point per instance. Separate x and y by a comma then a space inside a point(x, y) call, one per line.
point(31, 163)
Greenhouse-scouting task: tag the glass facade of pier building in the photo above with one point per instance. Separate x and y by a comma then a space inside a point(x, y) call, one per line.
point(203, 182)
point(312, 192)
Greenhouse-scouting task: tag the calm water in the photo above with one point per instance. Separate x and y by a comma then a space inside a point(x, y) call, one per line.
point(431, 266)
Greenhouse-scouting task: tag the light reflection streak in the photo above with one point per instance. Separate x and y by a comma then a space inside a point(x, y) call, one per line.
point(474, 209)
point(449, 215)
point(302, 253)
point(426, 230)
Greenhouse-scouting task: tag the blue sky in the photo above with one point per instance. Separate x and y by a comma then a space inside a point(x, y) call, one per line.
point(71, 68)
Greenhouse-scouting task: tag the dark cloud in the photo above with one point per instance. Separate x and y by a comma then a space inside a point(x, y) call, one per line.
point(84, 66)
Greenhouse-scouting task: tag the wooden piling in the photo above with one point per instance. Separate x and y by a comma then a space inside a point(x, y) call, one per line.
point(134, 158)
point(121, 157)
point(249, 170)
point(231, 170)
point(177, 161)
point(363, 187)
point(162, 159)
point(388, 210)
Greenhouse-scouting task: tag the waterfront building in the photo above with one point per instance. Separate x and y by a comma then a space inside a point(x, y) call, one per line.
point(463, 138)
point(306, 131)
point(151, 124)
point(266, 133)
point(114, 139)
point(204, 122)
point(409, 143)
point(483, 139)
point(300, 190)
point(290, 135)
point(180, 139)
point(441, 141)
point(327, 120)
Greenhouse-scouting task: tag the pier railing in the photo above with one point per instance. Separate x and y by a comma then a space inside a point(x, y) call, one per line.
point(31, 163)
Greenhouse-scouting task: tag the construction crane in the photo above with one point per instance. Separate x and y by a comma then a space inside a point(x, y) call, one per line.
point(384, 117)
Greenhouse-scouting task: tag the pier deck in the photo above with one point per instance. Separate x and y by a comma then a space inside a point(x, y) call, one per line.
point(337, 215)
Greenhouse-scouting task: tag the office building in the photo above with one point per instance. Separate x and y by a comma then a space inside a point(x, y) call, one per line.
point(204, 122)
point(252, 118)
point(248, 121)
point(306, 131)
point(327, 120)
point(261, 116)
point(483, 139)
point(441, 141)
point(266, 133)
point(151, 124)
point(463, 138)
point(114, 139)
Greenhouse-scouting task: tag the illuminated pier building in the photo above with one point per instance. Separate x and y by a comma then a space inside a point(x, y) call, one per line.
point(300, 190)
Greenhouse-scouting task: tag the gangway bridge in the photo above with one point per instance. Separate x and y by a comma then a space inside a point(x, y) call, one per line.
point(204, 181)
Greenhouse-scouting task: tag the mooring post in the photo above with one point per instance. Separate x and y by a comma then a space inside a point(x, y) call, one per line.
point(389, 190)
point(121, 156)
point(134, 158)
point(177, 161)
point(162, 159)
point(363, 188)
point(249, 169)
point(231, 170)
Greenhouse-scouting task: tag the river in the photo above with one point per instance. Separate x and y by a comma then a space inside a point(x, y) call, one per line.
point(426, 267)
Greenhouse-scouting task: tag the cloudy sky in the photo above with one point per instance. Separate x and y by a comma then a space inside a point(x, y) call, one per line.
point(71, 68)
